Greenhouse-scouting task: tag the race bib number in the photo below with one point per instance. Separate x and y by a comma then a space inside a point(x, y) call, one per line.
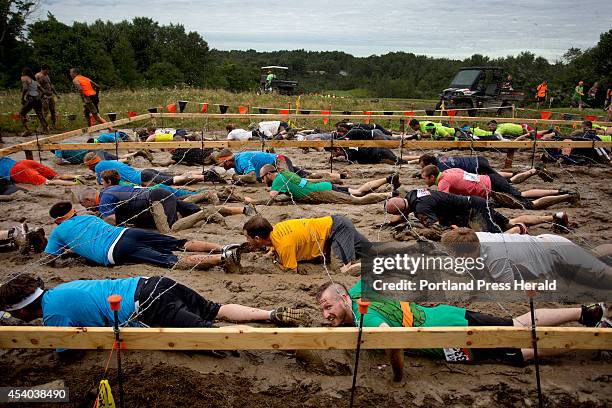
point(422, 192)
point(457, 355)
point(471, 177)
point(303, 182)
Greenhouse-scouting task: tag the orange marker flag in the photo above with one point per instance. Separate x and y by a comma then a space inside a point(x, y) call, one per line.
point(243, 110)
point(367, 121)
point(171, 108)
point(409, 113)
point(590, 117)
point(15, 117)
point(204, 107)
point(325, 112)
point(545, 115)
point(131, 114)
point(451, 113)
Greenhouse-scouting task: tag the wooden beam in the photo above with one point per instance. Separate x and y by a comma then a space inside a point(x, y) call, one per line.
point(396, 116)
point(31, 145)
point(321, 338)
point(391, 144)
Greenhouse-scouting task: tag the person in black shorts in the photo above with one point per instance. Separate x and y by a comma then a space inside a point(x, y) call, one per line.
point(479, 165)
point(157, 301)
point(367, 155)
point(496, 187)
point(443, 210)
point(154, 207)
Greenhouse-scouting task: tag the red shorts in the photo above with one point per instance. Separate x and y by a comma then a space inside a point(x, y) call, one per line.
point(31, 172)
point(528, 128)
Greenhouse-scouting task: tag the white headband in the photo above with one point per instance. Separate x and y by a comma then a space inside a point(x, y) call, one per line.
point(26, 301)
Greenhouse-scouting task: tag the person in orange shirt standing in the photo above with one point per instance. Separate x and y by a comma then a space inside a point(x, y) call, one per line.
point(542, 92)
point(89, 92)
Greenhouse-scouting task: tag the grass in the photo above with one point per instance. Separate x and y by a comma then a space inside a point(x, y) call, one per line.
point(123, 101)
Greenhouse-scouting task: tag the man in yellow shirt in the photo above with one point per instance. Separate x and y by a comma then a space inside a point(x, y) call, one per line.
point(305, 239)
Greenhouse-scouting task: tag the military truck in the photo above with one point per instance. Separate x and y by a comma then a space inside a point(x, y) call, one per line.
point(479, 87)
point(280, 84)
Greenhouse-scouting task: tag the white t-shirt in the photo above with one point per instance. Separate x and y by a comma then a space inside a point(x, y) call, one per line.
point(269, 128)
point(239, 134)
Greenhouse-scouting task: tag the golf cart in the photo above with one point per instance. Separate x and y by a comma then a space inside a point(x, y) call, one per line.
point(279, 82)
point(478, 87)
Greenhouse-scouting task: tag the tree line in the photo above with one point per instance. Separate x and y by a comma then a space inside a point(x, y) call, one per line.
point(143, 53)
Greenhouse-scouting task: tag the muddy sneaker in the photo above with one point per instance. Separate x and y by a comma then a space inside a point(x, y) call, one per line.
point(394, 180)
point(249, 210)
point(18, 234)
point(144, 154)
point(592, 315)
point(285, 316)
point(36, 240)
point(213, 177)
point(231, 260)
point(560, 222)
point(544, 174)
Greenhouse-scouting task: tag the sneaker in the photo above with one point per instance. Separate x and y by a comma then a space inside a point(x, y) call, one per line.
point(394, 180)
point(544, 174)
point(145, 154)
point(213, 177)
point(249, 210)
point(574, 197)
point(285, 316)
point(231, 260)
point(592, 315)
point(560, 222)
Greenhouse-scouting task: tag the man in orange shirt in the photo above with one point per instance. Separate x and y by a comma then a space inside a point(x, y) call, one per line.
point(89, 92)
point(542, 92)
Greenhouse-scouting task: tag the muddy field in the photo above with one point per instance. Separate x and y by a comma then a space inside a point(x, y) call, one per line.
point(274, 378)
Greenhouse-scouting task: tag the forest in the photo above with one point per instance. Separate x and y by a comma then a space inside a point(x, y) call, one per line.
point(141, 53)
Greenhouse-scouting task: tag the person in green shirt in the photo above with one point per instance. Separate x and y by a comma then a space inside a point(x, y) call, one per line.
point(297, 188)
point(578, 96)
point(437, 131)
point(523, 131)
point(340, 308)
point(269, 78)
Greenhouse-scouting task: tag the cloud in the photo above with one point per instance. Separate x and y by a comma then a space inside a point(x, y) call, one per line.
point(452, 28)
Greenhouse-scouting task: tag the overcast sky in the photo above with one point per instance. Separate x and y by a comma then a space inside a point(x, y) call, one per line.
point(452, 28)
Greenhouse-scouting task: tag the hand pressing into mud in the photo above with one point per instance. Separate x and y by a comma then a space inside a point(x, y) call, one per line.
point(248, 200)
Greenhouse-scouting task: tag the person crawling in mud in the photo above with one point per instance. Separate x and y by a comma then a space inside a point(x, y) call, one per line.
point(503, 193)
point(478, 165)
point(149, 207)
point(295, 188)
point(99, 242)
point(32, 172)
point(367, 155)
point(439, 211)
point(139, 177)
point(157, 301)
point(510, 257)
point(339, 307)
point(305, 239)
point(248, 164)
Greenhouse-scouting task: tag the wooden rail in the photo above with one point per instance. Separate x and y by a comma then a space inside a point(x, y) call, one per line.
point(44, 143)
point(321, 338)
point(391, 144)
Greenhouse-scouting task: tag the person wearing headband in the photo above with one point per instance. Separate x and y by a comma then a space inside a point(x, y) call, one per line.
point(157, 301)
point(93, 239)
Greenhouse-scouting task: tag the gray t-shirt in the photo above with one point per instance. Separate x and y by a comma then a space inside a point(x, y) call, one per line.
point(513, 256)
